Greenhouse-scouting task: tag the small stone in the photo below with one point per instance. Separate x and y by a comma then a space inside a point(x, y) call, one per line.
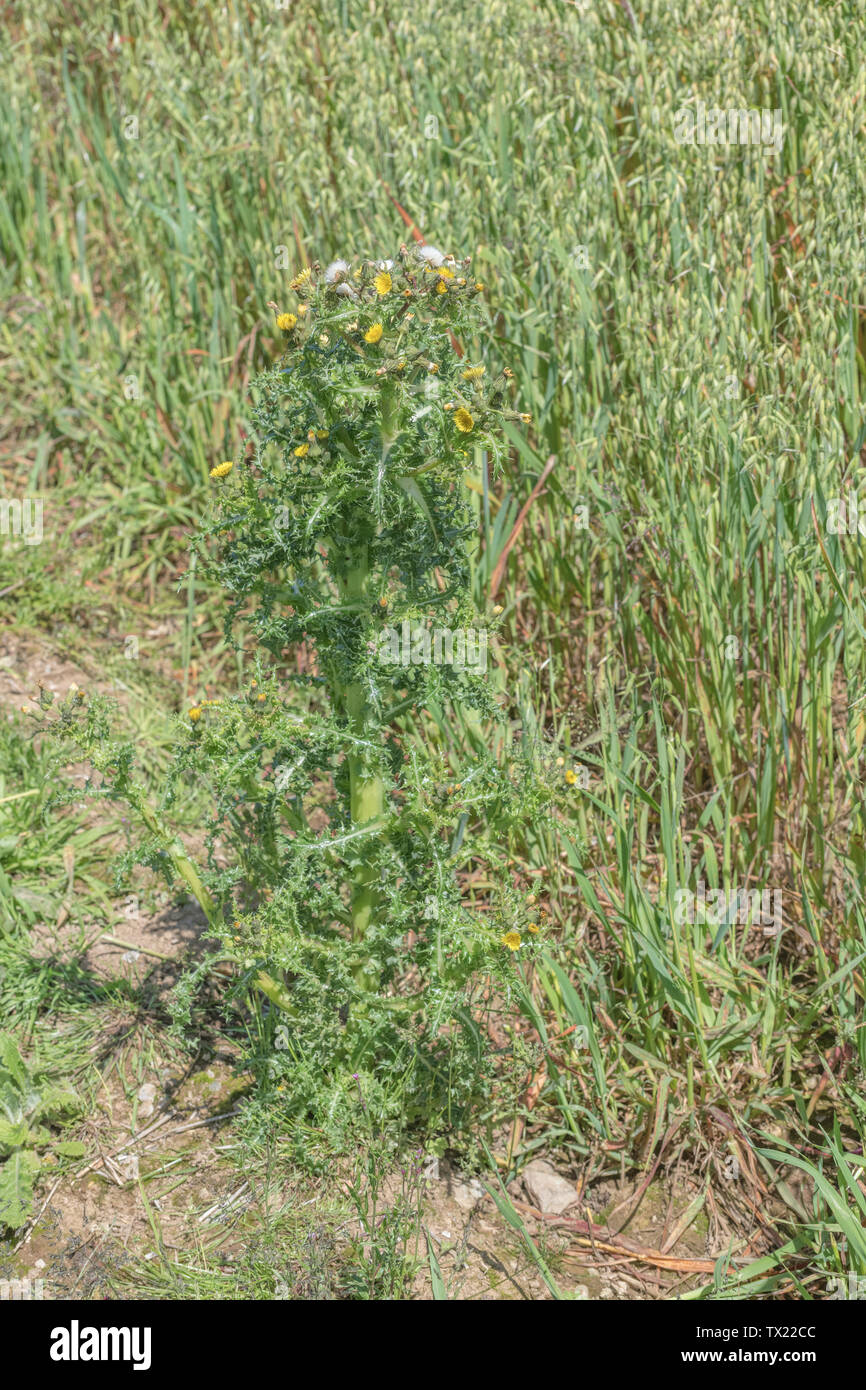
point(467, 1194)
point(128, 1165)
point(547, 1189)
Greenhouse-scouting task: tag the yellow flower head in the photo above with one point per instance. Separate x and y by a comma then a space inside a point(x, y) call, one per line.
point(302, 279)
point(473, 374)
point(302, 450)
point(195, 714)
point(478, 285)
point(533, 928)
point(571, 776)
point(374, 333)
point(382, 281)
point(444, 273)
point(463, 420)
point(286, 322)
point(222, 469)
point(526, 418)
point(511, 939)
point(441, 287)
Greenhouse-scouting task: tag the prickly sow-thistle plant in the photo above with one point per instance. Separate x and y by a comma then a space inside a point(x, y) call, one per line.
point(347, 812)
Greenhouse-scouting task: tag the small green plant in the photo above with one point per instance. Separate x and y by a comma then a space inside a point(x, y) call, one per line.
point(355, 794)
point(29, 1103)
point(388, 1199)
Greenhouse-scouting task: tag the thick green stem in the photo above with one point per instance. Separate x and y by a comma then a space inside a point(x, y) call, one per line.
point(366, 788)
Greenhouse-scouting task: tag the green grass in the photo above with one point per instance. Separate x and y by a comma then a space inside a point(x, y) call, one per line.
point(700, 384)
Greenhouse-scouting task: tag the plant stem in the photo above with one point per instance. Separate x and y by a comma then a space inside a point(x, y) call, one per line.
point(366, 789)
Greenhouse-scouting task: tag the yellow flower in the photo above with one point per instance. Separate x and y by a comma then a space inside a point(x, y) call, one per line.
point(301, 280)
point(511, 939)
point(382, 282)
point(441, 287)
point(286, 322)
point(444, 271)
point(479, 286)
point(571, 777)
point(463, 420)
point(526, 418)
point(195, 714)
point(222, 469)
point(473, 374)
point(533, 928)
point(374, 333)
point(302, 450)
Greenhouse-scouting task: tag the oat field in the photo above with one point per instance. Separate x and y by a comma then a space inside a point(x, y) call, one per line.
point(616, 1050)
